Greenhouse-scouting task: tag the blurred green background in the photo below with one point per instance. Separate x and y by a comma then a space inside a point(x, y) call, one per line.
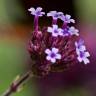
point(15, 29)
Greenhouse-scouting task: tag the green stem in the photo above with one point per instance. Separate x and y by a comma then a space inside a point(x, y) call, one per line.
point(16, 84)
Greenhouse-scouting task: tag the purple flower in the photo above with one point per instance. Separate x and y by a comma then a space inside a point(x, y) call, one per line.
point(52, 55)
point(81, 52)
point(73, 31)
point(83, 56)
point(37, 11)
point(64, 32)
point(80, 45)
point(67, 19)
point(55, 14)
point(69, 31)
point(54, 30)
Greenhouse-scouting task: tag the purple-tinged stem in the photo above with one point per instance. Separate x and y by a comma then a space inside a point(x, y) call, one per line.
point(64, 25)
point(36, 23)
point(54, 22)
point(14, 87)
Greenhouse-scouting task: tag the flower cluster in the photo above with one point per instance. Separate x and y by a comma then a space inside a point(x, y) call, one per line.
point(52, 48)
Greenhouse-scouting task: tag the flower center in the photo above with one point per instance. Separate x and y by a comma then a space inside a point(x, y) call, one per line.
point(55, 31)
point(38, 12)
point(53, 55)
point(81, 54)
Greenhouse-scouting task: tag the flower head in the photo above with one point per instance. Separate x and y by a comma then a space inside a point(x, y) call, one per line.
point(37, 11)
point(52, 55)
point(46, 50)
point(55, 14)
point(54, 30)
point(67, 19)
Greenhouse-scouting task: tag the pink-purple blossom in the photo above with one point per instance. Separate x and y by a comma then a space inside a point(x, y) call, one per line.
point(37, 11)
point(67, 19)
point(82, 54)
point(80, 45)
point(73, 31)
point(55, 14)
point(52, 55)
point(54, 30)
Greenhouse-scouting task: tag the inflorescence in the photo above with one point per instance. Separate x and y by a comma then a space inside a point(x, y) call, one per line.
point(53, 48)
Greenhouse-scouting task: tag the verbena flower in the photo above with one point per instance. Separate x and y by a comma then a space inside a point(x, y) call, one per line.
point(73, 31)
point(69, 31)
point(59, 47)
point(55, 14)
point(37, 11)
point(67, 19)
point(82, 54)
point(54, 30)
point(52, 55)
point(80, 45)
point(64, 32)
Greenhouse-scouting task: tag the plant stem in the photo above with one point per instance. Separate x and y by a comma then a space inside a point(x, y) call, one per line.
point(14, 87)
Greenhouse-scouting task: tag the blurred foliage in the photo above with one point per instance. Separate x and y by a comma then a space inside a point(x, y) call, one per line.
point(86, 10)
point(11, 11)
point(12, 60)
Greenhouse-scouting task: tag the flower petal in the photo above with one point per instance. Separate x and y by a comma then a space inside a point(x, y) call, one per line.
point(87, 54)
point(58, 56)
point(55, 34)
point(55, 50)
point(48, 58)
point(53, 60)
point(55, 26)
point(39, 9)
point(50, 29)
point(86, 60)
point(47, 51)
point(79, 59)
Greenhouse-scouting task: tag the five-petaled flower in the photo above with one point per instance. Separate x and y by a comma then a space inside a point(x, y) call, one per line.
point(55, 14)
point(83, 56)
point(67, 19)
point(54, 30)
point(52, 55)
point(37, 11)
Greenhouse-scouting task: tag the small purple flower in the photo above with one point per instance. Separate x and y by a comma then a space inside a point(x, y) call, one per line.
point(69, 31)
point(73, 31)
point(67, 19)
point(80, 45)
point(81, 52)
point(64, 32)
point(54, 30)
point(52, 55)
point(55, 14)
point(37, 11)
point(83, 56)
